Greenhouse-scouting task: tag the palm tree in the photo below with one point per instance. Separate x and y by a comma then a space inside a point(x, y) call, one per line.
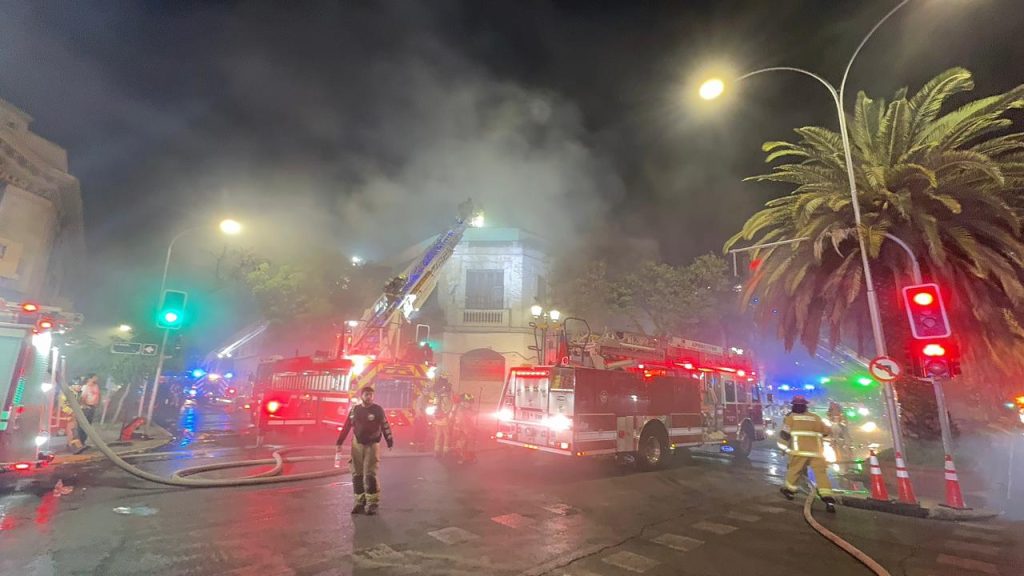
point(947, 181)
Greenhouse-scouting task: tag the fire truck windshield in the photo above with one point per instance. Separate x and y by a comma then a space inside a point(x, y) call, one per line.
point(393, 393)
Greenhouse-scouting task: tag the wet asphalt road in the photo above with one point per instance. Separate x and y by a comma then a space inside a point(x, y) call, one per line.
point(514, 512)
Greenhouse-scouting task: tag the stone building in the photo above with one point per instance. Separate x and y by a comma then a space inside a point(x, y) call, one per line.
point(41, 229)
point(485, 293)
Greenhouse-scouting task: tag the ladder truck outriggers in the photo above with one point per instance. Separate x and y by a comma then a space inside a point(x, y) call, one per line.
point(633, 396)
point(315, 392)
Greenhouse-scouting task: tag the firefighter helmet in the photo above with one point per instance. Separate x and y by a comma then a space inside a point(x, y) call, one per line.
point(799, 401)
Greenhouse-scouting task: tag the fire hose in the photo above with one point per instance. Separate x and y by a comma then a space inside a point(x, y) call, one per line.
point(181, 477)
point(832, 537)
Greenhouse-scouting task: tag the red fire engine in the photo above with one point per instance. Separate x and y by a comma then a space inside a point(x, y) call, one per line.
point(315, 392)
point(635, 396)
point(28, 372)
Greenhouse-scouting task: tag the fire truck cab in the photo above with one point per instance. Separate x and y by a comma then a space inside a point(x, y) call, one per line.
point(682, 394)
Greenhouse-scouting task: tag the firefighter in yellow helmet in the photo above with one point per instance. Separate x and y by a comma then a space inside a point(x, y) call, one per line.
point(802, 438)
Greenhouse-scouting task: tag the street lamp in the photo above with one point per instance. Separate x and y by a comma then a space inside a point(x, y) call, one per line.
point(536, 310)
point(124, 328)
point(227, 226)
point(230, 227)
point(714, 88)
point(543, 321)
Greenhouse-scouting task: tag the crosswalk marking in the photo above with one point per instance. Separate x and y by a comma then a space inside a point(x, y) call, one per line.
point(715, 527)
point(968, 564)
point(453, 535)
point(978, 535)
point(513, 520)
point(677, 542)
point(743, 517)
point(630, 561)
point(985, 549)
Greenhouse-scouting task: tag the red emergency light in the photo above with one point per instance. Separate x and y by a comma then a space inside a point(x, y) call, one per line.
point(29, 307)
point(273, 406)
point(530, 373)
point(23, 466)
point(934, 350)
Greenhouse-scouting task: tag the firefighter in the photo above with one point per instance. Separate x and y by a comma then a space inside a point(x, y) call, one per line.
point(803, 433)
point(443, 405)
point(420, 426)
point(463, 428)
point(393, 289)
point(368, 423)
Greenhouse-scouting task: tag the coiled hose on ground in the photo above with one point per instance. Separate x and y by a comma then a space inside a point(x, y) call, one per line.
point(180, 478)
point(835, 539)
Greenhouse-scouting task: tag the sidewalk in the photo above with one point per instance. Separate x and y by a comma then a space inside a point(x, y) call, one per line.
point(109, 433)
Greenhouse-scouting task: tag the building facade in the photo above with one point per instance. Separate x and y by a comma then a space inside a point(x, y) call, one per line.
point(41, 228)
point(485, 293)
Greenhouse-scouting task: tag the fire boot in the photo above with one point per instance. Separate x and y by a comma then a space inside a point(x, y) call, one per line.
point(359, 508)
point(830, 504)
point(789, 494)
point(371, 510)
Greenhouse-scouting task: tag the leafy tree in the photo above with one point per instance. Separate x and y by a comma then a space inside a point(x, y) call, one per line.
point(652, 297)
point(946, 184)
point(945, 180)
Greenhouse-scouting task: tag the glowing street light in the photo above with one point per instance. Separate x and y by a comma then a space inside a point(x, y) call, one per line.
point(230, 227)
point(536, 310)
point(712, 89)
point(124, 328)
point(555, 315)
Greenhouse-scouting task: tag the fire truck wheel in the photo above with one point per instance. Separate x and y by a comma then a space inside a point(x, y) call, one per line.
point(745, 441)
point(653, 451)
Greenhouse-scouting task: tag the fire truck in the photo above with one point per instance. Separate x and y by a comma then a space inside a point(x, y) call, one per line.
point(636, 397)
point(28, 372)
point(315, 392)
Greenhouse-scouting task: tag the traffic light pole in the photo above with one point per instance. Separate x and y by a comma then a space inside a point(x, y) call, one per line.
point(940, 395)
point(156, 379)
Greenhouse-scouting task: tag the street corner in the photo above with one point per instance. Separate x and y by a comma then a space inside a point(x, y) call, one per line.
point(942, 512)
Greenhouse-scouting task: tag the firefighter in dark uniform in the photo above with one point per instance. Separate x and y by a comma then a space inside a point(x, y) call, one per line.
point(802, 438)
point(368, 423)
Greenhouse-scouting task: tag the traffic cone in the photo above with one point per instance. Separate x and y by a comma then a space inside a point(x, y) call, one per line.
point(878, 491)
point(954, 498)
point(903, 486)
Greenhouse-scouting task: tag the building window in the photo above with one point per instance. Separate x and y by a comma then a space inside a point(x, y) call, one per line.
point(485, 289)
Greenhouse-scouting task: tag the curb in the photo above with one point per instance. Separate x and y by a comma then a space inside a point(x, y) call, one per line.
point(96, 455)
point(917, 511)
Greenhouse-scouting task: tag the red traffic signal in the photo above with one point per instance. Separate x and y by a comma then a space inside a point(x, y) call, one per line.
point(935, 358)
point(926, 312)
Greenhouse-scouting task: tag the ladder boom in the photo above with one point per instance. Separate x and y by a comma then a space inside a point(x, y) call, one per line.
point(378, 330)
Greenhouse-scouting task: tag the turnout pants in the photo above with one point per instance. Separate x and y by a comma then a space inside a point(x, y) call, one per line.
point(364, 464)
point(442, 437)
point(797, 466)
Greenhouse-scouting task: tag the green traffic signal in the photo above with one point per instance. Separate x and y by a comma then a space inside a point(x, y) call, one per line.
point(172, 310)
point(865, 381)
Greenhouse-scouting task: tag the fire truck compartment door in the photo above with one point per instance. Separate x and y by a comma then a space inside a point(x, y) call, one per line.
point(625, 427)
point(11, 340)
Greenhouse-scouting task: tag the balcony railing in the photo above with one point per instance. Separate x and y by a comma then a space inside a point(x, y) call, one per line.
point(485, 317)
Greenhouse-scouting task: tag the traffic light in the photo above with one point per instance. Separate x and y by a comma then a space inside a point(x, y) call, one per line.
point(172, 310)
point(935, 358)
point(926, 312)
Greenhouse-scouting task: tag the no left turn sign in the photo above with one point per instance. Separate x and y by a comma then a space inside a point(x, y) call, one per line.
point(884, 369)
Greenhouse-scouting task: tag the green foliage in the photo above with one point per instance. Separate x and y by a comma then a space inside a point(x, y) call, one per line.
point(652, 297)
point(949, 184)
point(317, 287)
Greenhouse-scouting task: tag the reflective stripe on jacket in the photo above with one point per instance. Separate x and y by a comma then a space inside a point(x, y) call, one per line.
point(807, 431)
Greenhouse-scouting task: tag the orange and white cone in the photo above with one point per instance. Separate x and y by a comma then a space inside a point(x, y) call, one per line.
point(878, 491)
point(954, 498)
point(903, 486)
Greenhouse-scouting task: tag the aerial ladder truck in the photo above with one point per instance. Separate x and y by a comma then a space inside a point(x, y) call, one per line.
point(317, 391)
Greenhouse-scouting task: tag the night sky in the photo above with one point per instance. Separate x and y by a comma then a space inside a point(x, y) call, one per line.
point(360, 127)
